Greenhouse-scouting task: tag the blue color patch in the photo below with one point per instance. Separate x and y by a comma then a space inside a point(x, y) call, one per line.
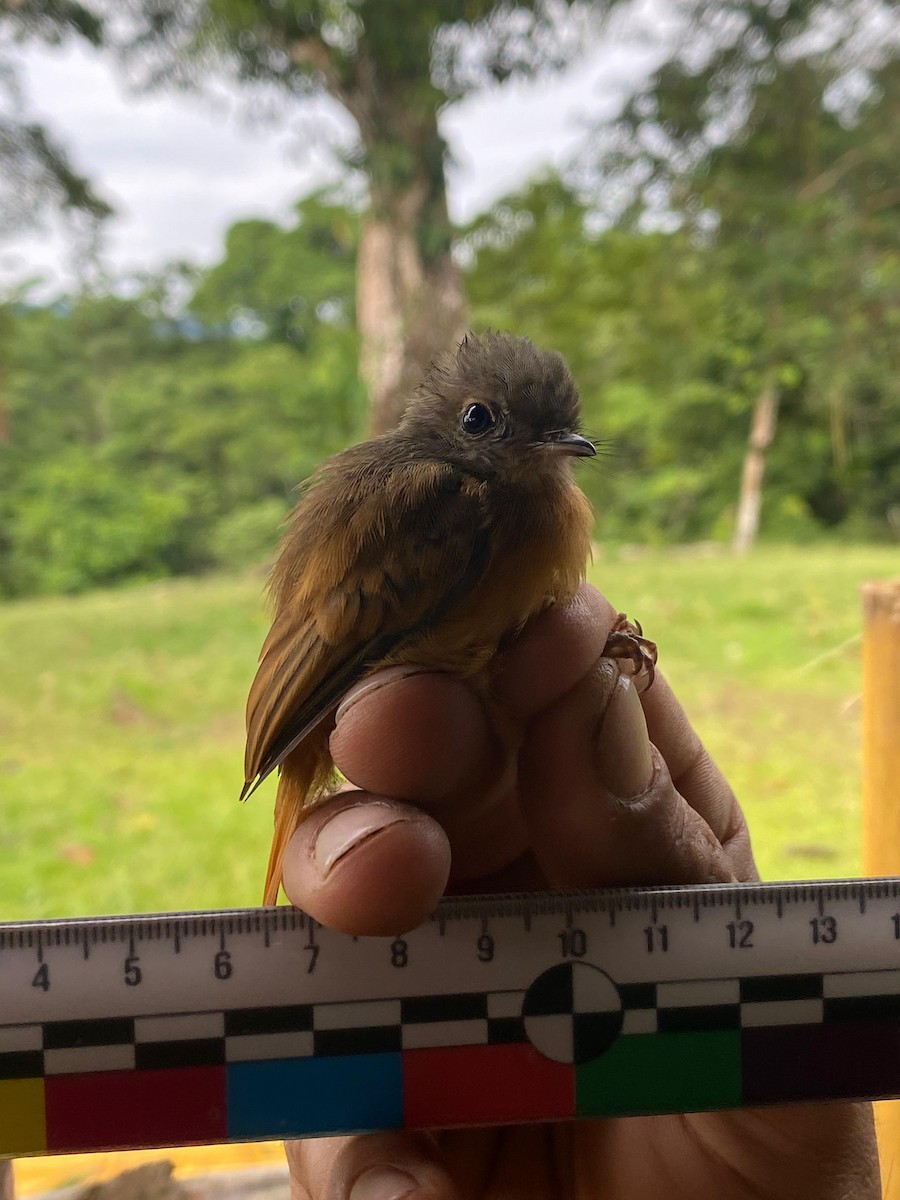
point(298, 1097)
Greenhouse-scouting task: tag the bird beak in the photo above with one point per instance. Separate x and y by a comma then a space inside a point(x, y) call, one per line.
point(574, 444)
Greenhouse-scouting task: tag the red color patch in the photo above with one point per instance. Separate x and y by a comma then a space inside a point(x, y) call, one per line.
point(119, 1109)
point(482, 1085)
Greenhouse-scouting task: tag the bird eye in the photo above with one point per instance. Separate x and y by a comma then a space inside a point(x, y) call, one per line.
point(477, 419)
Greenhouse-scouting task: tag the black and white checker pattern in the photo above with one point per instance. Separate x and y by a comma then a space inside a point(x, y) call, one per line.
point(257, 1034)
point(572, 1012)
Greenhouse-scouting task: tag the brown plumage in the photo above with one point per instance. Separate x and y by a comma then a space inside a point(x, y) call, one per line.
point(430, 545)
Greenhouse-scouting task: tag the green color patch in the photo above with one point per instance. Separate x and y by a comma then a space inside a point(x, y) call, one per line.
point(656, 1073)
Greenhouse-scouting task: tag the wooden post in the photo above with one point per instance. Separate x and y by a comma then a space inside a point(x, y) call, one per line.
point(881, 728)
point(881, 793)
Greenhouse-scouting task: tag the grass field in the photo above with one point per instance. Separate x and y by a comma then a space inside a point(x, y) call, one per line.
point(121, 718)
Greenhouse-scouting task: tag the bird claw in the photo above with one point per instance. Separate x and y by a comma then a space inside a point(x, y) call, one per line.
point(626, 643)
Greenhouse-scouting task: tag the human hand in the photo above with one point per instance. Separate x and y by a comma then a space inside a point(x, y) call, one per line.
point(607, 789)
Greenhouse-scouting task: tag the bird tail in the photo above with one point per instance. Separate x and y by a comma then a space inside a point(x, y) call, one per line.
point(288, 807)
point(300, 783)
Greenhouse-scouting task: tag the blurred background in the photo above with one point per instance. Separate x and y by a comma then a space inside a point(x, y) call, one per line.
point(232, 232)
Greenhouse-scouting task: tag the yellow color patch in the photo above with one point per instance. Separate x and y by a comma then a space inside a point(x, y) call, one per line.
point(23, 1128)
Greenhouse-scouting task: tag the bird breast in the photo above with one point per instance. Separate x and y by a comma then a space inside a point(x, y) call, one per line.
point(540, 547)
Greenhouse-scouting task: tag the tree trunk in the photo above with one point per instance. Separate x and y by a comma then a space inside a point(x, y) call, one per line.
point(762, 434)
point(409, 297)
point(408, 308)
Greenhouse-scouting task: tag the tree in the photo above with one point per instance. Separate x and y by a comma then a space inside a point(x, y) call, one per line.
point(36, 173)
point(142, 443)
point(642, 323)
point(670, 335)
point(766, 135)
point(391, 66)
point(285, 282)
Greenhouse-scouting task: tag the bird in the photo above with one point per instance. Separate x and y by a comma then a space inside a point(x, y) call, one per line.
point(432, 544)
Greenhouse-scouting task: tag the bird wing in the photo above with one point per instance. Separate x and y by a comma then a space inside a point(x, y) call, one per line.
point(366, 566)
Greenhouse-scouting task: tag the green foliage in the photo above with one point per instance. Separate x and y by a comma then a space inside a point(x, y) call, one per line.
point(769, 150)
point(122, 722)
point(637, 321)
point(288, 281)
point(779, 267)
point(81, 522)
point(447, 48)
point(757, 248)
point(247, 535)
point(139, 445)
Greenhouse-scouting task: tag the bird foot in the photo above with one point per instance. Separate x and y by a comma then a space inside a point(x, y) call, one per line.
point(626, 643)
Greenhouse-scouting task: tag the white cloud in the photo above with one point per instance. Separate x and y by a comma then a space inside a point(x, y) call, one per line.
point(499, 138)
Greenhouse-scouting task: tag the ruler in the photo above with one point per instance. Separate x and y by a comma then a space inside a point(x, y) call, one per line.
point(180, 1028)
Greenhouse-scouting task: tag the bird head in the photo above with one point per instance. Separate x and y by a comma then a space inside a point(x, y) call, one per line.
point(500, 404)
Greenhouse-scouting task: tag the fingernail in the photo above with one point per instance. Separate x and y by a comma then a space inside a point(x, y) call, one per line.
point(347, 829)
point(382, 1183)
point(367, 686)
point(624, 758)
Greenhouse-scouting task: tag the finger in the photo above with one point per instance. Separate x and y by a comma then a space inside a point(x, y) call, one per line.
point(427, 739)
point(416, 734)
point(600, 801)
point(379, 1166)
point(423, 735)
point(367, 865)
point(555, 650)
point(431, 740)
point(695, 775)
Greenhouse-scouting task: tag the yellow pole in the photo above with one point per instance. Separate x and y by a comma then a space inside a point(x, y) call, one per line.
point(881, 793)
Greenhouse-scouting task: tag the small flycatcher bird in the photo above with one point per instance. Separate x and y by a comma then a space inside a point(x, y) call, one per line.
point(431, 545)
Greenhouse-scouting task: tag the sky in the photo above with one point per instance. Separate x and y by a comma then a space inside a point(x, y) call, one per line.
point(179, 169)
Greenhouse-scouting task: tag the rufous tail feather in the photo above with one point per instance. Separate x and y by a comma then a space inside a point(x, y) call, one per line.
point(289, 803)
point(304, 775)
